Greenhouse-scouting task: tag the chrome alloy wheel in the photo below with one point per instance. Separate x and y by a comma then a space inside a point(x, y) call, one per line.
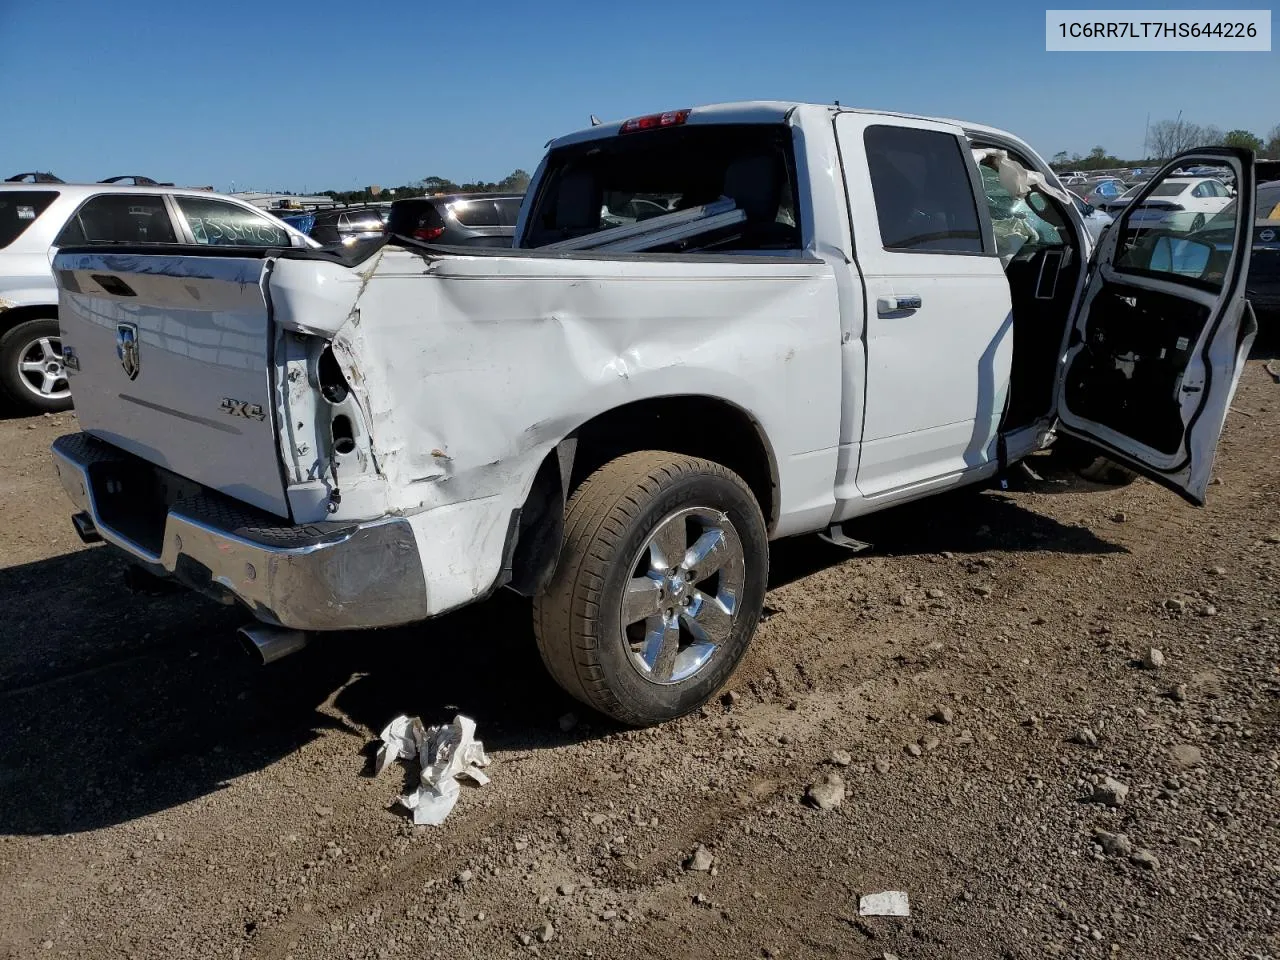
point(41, 371)
point(683, 596)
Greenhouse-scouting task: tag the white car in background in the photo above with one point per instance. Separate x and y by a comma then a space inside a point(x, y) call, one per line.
point(38, 218)
point(1095, 220)
point(1179, 203)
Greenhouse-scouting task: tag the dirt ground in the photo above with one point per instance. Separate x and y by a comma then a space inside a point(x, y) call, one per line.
point(973, 681)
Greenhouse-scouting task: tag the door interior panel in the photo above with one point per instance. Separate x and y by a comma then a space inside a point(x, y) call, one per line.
point(1042, 282)
point(1128, 377)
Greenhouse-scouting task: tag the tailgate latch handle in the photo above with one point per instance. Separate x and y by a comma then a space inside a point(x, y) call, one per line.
point(113, 285)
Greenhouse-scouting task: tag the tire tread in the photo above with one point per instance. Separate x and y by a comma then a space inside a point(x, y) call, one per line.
point(598, 517)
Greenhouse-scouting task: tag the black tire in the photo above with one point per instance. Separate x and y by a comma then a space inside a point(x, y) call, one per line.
point(1088, 464)
point(609, 519)
point(1102, 470)
point(1197, 222)
point(14, 345)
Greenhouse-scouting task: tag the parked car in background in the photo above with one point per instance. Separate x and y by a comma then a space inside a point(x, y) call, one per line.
point(460, 219)
point(1202, 171)
point(38, 218)
point(1100, 191)
point(1262, 284)
point(1074, 179)
point(347, 225)
point(631, 210)
point(1179, 203)
point(1095, 220)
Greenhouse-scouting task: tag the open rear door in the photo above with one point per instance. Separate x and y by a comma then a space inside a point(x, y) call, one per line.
point(1162, 330)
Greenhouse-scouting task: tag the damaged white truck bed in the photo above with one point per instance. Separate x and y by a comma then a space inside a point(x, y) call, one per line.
point(831, 311)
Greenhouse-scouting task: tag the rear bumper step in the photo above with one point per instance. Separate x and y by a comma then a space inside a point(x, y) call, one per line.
point(323, 576)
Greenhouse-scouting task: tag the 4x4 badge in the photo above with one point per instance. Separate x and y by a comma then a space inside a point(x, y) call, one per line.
point(127, 349)
point(242, 408)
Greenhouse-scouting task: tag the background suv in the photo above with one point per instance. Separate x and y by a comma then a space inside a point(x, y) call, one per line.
point(37, 218)
point(460, 219)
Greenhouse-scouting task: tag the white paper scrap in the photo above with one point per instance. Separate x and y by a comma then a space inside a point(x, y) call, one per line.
point(444, 754)
point(887, 903)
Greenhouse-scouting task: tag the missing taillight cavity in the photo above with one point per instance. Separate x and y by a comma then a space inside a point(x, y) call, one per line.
point(344, 440)
point(333, 385)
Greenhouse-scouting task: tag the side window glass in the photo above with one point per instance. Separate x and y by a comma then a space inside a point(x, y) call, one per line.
point(924, 199)
point(364, 221)
point(1021, 223)
point(1161, 239)
point(19, 209)
point(508, 212)
point(120, 218)
point(221, 224)
point(1201, 191)
point(474, 213)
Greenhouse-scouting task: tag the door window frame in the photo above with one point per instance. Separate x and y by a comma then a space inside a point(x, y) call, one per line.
point(986, 232)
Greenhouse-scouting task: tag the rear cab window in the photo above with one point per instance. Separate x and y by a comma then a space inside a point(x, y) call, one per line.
point(19, 209)
point(923, 191)
point(119, 218)
point(618, 181)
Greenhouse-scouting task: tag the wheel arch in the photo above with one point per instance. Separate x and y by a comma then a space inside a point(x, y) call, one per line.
point(727, 435)
point(13, 316)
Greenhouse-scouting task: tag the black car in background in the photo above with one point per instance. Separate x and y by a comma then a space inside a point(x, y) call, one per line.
point(1262, 286)
point(348, 224)
point(459, 219)
point(1262, 282)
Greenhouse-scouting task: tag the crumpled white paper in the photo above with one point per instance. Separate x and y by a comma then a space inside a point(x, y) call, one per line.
point(444, 753)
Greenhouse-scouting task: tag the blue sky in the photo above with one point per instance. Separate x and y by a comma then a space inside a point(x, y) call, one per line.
point(284, 94)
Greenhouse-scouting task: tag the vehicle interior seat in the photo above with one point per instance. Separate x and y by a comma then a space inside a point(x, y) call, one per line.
point(755, 182)
point(578, 200)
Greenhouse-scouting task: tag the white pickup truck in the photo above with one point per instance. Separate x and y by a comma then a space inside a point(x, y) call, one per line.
point(718, 327)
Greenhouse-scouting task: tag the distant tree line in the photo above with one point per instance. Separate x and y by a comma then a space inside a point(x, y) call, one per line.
point(514, 182)
point(1165, 138)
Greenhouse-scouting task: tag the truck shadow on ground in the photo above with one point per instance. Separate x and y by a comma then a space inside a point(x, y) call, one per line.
point(115, 706)
point(966, 521)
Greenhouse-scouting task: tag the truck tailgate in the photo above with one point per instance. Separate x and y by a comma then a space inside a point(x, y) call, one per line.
point(170, 359)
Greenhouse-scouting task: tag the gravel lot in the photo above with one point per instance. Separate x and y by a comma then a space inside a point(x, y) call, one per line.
point(973, 682)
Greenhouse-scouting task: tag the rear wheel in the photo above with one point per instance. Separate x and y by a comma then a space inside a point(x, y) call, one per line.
point(1197, 222)
point(31, 370)
point(659, 586)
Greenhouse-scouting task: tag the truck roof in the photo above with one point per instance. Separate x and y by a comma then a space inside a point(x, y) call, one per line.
point(761, 111)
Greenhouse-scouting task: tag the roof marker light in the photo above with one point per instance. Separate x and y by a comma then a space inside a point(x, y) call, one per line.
point(672, 118)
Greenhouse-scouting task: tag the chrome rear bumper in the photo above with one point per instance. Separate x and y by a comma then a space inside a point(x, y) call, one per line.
point(323, 576)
